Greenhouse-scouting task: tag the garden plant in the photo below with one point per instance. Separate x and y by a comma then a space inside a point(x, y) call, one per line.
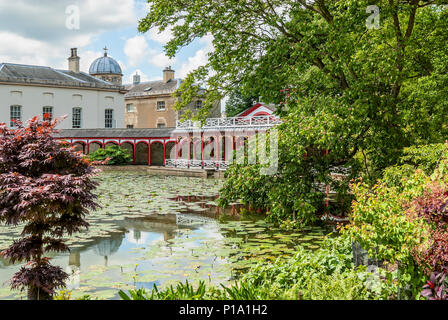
point(47, 187)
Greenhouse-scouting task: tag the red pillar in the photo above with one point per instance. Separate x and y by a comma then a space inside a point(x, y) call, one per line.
point(149, 153)
point(202, 149)
point(164, 153)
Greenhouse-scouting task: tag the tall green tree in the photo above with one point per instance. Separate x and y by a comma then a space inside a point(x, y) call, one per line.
point(360, 86)
point(363, 82)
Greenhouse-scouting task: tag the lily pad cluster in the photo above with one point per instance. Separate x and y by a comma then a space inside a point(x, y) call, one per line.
point(176, 216)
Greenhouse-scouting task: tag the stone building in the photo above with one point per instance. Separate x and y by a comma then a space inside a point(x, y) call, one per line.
point(88, 102)
point(107, 69)
point(150, 104)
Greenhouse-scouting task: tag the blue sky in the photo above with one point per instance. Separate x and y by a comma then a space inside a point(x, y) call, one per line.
point(36, 32)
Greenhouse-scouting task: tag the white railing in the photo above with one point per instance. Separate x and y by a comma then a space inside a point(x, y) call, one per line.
point(197, 164)
point(262, 121)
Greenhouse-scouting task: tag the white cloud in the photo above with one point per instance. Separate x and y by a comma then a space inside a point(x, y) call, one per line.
point(87, 58)
point(160, 60)
point(122, 65)
point(135, 49)
point(46, 19)
point(18, 49)
point(160, 37)
point(199, 59)
point(35, 32)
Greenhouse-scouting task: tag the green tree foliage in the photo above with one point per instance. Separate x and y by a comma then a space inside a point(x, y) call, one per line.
point(363, 93)
point(402, 219)
point(112, 155)
point(238, 102)
point(370, 90)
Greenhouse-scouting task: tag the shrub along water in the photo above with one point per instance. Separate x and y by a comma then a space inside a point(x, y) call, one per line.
point(111, 155)
point(325, 274)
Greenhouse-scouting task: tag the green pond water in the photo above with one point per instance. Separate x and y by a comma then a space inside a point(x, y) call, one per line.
point(161, 230)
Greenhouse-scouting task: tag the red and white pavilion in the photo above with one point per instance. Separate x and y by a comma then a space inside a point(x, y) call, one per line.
point(189, 145)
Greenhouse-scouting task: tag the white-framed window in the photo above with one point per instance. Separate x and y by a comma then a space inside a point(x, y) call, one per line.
point(108, 118)
point(198, 104)
point(76, 118)
point(48, 111)
point(161, 125)
point(130, 126)
point(130, 107)
point(15, 114)
point(160, 105)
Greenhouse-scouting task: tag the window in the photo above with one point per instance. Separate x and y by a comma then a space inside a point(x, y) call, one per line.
point(16, 114)
point(160, 105)
point(198, 104)
point(47, 111)
point(108, 118)
point(130, 126)
point(161, 125)
point(76, 118)
point(130, 107)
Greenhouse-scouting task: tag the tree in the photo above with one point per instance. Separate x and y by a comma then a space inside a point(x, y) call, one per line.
point(239, 102)
point(46, 186)
point(362, 93)
point(358, 86)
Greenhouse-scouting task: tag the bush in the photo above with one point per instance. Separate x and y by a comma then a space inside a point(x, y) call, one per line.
point(403, 220)
point(180, 292)
point(112, 155)
point(326, 274)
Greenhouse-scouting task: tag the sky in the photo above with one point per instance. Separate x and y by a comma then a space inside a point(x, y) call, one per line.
point(42, 33)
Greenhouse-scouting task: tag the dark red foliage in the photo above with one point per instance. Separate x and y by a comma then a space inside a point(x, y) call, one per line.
point(48, 186)
point(43, 276)
point(436, 288)
point(433, 206)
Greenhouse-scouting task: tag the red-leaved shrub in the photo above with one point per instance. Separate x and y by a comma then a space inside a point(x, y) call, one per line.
point(46, 186)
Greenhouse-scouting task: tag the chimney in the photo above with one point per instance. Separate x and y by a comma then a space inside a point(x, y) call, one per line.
point(168, 74)
point(136, 78)
point(73, 61)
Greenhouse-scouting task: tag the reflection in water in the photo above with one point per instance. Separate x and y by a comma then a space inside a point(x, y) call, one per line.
point(182, 242)
point(73, 269)
point(207, 206)
point(107, 247)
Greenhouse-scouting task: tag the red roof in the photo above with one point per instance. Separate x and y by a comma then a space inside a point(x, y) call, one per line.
point(252, 109)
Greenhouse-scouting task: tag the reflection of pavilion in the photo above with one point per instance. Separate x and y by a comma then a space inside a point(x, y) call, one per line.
point(207, 209)
point(166, 224)
point(158, 223)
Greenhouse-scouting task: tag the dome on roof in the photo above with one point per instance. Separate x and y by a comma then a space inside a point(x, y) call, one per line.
point(105, 65)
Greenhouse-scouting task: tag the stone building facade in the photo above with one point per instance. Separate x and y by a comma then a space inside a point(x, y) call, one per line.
point(86, 101)
point(150, 104)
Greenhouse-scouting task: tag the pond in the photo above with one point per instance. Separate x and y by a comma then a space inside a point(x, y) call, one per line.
point(154, 230)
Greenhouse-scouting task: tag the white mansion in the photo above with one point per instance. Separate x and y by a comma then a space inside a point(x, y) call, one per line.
point(88, 100)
